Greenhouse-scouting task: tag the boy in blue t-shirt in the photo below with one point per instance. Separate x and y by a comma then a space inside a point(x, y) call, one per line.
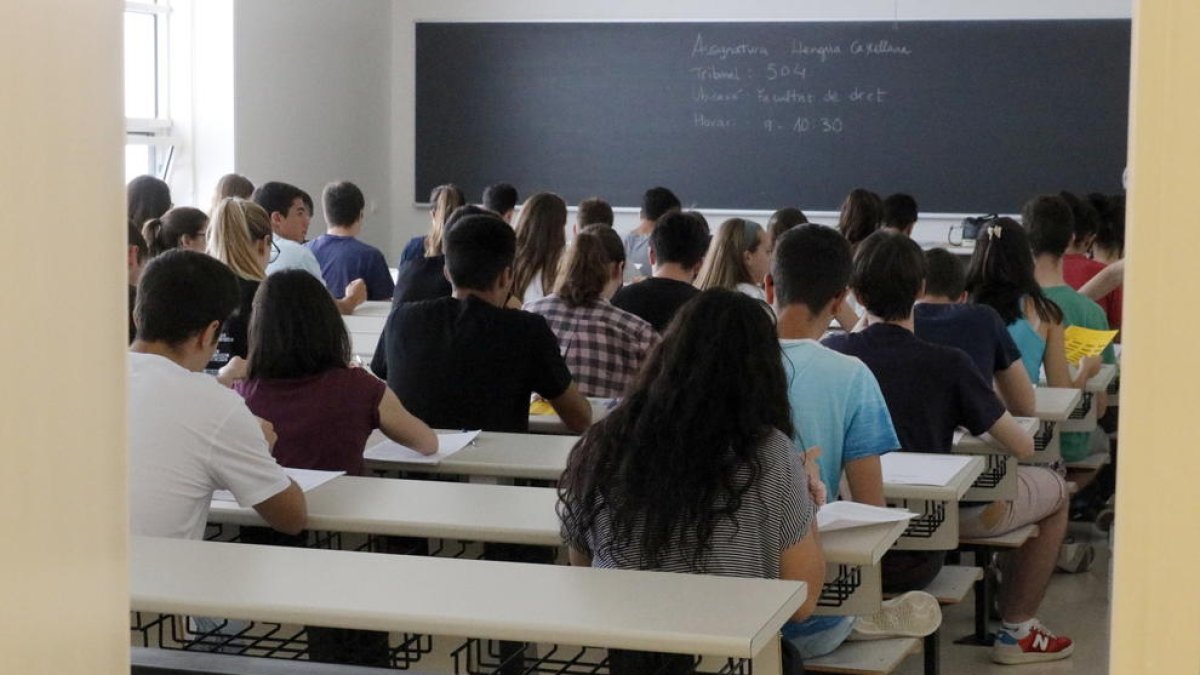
point(343, 258)
point(837, 405)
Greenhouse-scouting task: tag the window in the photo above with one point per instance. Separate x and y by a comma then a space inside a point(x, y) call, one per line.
point(149, 144)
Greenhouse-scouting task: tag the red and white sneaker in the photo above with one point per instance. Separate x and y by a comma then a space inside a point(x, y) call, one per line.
point(1036, 646)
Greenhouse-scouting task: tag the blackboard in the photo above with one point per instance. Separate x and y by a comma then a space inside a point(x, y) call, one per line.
point(967, 116)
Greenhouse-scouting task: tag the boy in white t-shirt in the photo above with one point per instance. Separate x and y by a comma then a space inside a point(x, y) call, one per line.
point(188, 435)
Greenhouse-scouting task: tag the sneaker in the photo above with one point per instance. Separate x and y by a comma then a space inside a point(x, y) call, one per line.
point(1037, 646)
point(1075, 557)
point(913, 614)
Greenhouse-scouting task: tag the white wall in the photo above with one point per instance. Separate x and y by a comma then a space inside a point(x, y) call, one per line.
point(412, 220)
point(313, 95)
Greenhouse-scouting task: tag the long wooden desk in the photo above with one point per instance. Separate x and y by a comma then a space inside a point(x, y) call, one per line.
point(416, 508)
point(678, 613)
point(936, 526)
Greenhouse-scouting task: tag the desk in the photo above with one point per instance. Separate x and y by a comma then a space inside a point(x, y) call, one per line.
point(364, 324)
point(678, 613)
point(495, 455)
point(936, 528)
point(852, 572)
point(363, 345)
point(416, 508)
point(999, 478)
point(1063, 410)
point(380, 308)
point(552, 424)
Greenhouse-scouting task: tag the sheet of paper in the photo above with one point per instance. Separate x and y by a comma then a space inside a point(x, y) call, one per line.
point(1083, 342)
point(845, 515)
point(903, 468)
point(307, 479)
point(448, 444)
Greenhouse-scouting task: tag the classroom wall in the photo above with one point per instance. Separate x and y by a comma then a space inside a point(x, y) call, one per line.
point(63, 577)
point(412, 220)
point(312, 99)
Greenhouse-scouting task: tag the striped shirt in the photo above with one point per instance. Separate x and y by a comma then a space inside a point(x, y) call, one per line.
point(775, 514)
point(603, 346)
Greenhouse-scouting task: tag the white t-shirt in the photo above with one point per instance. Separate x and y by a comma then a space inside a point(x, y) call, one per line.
point(534, 291)
point(295, 256)
point(752, 291)
point(189, 436)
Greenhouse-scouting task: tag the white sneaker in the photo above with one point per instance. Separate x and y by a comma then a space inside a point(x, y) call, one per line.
point(914, 614)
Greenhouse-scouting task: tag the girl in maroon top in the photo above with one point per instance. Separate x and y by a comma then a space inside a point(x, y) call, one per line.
point(299, 379)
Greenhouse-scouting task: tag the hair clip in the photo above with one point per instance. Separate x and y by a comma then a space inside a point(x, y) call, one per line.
point(995, 231)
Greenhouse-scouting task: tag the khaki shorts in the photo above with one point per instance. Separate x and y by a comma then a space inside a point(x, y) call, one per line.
point(1040, 492)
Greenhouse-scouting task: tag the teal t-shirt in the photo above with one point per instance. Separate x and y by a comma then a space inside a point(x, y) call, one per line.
point(836, 405)
point(1079, 310)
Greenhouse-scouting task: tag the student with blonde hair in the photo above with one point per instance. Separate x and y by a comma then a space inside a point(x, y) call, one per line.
point(603, 346)
point(443, 200)
point(541, 238)
point(738, 259)
point(239, 235)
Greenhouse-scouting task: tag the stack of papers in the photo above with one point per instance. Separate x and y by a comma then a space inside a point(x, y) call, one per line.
point(845, 515)
point(448, 444)
point(900, 468)
point(307, 479)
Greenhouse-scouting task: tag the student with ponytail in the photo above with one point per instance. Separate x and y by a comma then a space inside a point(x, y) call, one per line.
point(442, 202)
point(181, 227)
point(738, 259)
point(602, 345)
point(239, 236)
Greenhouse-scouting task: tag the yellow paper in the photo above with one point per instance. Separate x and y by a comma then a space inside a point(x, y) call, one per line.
point(1083, 342)
point(540, 407)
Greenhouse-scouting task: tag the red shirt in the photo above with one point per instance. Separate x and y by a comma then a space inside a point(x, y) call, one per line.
point(322, 421)
point(1078, 270)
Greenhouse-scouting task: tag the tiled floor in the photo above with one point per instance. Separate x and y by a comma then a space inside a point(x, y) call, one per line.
point(1076, 605)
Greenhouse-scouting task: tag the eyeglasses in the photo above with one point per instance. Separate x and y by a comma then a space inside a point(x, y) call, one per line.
point(274, 251)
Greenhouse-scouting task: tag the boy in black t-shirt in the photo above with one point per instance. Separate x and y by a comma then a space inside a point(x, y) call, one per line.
point(943, 317)
point(677, 247)
point(466, 362)
point(930, 390)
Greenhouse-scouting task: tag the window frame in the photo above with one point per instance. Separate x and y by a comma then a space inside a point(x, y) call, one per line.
point(158, 131)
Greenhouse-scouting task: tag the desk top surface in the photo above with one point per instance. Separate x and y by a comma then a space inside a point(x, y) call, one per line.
point(953, 491)
point(680, 613)
point(379, 308)
point(861, 545)
point(501, 455)
point(1055, 404)
point(1108, 372)
point(415, 508)
point(987, 445)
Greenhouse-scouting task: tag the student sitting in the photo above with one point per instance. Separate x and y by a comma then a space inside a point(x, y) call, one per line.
point(899, 214)
point(466, 362)
point(943, 317)
point(135, 259)
point(541, 238)
point(189, 436)
point(500, 199)
point(783, 220)
point(1001, 275)
point(147, 197)
point(1077, 267)
point(181, 227)
point(343, 257)
point(676, 251)
point(442, 202)
point(592, 211)
point(861, 213)
point(603, 346)
point(932, 390)
point(1107, 248)
point(709, 418)
point(299, 378)
point(656, 203)
point(287, 208)
point(838, 408)
point(239, 236)
point(231, 185)
point(738, 259)
point(1048, 219)
point(424, 278)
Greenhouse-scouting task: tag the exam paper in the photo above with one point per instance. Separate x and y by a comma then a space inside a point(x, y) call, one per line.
point(448, 444)
point(1083, 342)
point(903, 468)
point(845, 515)
point(307, 479)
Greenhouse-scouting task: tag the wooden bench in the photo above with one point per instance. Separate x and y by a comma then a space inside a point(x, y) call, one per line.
point(873, 657)
point(151, 661)
point(984, 547)
point(1093, 462)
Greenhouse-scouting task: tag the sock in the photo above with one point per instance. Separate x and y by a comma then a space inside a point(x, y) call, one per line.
point(1021, 629)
